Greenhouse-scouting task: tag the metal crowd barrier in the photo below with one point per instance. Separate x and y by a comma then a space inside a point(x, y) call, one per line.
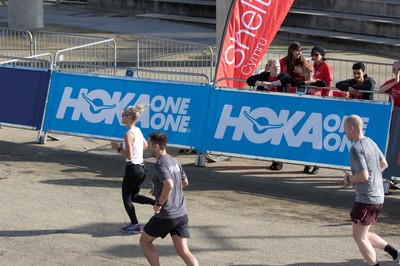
point(34, 61)
point(174, 60)
point(70, 52)
point(342, 68)
point(98, 57)
point(378, 96)
point(15, 42)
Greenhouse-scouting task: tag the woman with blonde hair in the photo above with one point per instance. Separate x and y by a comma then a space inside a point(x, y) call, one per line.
point(135, 171)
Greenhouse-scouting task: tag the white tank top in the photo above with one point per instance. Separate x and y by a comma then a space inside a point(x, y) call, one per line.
point(137, 146)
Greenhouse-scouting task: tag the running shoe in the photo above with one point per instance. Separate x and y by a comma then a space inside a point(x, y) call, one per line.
point(132, 229)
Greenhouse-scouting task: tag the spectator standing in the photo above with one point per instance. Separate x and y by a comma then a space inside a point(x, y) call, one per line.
point(367, 164)
point(392, 86)
point(360, 82)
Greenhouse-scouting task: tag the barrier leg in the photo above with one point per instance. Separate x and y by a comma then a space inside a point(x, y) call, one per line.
point(42, 137)
point(200, 160)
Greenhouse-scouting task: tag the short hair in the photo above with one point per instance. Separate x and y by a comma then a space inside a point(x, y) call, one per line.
point(359, 65)
point(355, 121)
point(159, 138)
point(395, 64)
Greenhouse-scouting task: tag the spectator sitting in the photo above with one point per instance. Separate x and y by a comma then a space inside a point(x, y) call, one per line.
point(360, 82)
point(272, 79)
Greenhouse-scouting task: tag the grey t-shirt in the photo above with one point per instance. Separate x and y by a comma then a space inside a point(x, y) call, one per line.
point(365, 154)
point(167, 167)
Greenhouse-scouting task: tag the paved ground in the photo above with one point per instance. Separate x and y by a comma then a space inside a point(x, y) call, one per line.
point(60, 203)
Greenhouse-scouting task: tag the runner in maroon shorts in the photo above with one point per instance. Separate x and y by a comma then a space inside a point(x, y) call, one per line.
point(367, 163)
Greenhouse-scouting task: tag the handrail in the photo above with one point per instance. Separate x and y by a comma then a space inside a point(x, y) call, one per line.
point(88, 45)
point(173, 72)
point(33, 58)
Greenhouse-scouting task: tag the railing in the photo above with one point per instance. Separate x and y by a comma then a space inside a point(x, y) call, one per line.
point(35, 61)
point(378, 96)
point(152, 58)
point(71, 2)
point(342, 68)
point(70, 52)
point(174, 60)
point(15, 42)
point(98, 57)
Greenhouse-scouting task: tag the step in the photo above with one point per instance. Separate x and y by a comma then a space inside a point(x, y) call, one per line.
point(378, 45)
point(343, 22)
point(383, 8)
point(190, 19)
point(194, 8)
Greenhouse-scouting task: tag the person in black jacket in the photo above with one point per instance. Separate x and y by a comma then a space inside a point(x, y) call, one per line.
point(272, 79)
point(360, 82)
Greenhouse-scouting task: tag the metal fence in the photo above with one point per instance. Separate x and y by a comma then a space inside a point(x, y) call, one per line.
point(98, 57)
point(70, 52)
point(35, 61)
point(78, 53)
point(149, 58)
point(15, 42)
point(174, 60)
point(342, 68)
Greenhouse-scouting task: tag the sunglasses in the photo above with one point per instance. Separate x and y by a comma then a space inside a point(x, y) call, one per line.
point(316, 54)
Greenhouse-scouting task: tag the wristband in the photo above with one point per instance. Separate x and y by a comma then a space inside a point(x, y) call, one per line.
point(158, 204)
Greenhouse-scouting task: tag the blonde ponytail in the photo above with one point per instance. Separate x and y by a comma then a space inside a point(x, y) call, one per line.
point(135, 110)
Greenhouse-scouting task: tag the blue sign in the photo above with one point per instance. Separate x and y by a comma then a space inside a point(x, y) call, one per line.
point(286, 127)
point(289, 127)
point(91, 105)
point(23, 93)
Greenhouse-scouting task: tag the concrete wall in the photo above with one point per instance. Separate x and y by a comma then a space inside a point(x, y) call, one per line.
point(25, 14)
point(222, 13)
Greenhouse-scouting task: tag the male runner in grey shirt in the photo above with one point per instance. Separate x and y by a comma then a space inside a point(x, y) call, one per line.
point(367, 163)
point(170, 209)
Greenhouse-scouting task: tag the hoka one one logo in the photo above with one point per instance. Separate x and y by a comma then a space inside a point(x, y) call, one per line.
point(262, 125)
point(98, 106)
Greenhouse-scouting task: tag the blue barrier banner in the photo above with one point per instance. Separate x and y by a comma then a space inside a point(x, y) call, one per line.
point(290, 127)
point(23, 93)
point(286, 127)
point(91, 105)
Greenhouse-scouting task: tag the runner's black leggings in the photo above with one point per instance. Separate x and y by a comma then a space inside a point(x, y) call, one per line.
point(134, 176)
